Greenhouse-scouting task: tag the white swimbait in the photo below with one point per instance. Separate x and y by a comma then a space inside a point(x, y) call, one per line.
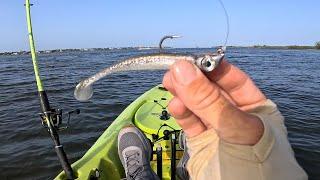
point(206, 63)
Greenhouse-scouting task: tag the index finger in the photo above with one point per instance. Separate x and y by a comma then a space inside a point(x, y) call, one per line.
point(238, 85)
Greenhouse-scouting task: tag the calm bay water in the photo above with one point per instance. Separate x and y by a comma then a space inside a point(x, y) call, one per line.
point(290, 78)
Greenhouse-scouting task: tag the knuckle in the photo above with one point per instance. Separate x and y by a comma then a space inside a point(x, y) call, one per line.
point(204, 95)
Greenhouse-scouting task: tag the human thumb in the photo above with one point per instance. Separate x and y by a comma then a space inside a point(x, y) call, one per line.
point(199, 94)
point(204, 98)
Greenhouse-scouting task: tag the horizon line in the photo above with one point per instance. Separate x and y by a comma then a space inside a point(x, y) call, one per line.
point(153, 47)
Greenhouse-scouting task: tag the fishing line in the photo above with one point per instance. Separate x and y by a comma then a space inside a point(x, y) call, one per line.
point(224, 47)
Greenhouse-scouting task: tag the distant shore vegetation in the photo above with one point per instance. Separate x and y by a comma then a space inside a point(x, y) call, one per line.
point(77, 50)
point(316, 46)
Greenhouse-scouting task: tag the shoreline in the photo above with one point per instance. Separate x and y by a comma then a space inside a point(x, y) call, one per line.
point(291, 47)
point(296, 47)
point(12, 53)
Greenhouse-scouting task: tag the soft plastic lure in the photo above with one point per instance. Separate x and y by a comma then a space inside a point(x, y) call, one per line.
point(206, 63)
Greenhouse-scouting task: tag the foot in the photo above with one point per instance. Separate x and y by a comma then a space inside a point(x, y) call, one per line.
point(135, 153)
point(182, 172)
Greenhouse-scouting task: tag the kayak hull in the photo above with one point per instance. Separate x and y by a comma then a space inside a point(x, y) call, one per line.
point(101, 161)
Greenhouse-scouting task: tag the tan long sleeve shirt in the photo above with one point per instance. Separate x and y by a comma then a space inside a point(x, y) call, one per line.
point(272, 158)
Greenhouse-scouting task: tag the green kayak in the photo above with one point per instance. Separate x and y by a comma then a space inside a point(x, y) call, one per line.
point(149, 114)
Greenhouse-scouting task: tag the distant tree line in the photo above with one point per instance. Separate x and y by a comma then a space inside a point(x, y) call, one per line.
point(317, 45)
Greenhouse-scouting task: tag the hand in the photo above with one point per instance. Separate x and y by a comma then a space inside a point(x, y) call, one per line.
point(218, 100)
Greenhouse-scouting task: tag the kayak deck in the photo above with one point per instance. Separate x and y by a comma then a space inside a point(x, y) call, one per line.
point(101, 161)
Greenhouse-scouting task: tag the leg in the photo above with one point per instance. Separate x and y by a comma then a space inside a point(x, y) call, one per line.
point(135, 153)
point(182, 172)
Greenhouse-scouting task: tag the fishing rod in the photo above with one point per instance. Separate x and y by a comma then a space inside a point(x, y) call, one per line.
point(51, 118)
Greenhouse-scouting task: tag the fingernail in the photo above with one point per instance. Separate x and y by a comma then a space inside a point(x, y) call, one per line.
point(184, 72)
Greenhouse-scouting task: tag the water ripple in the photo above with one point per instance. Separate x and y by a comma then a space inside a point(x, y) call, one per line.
point(289, 77)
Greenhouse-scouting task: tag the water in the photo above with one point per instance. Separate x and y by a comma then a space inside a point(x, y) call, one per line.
point(289, 77)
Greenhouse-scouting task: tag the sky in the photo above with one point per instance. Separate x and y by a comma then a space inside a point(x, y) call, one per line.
point(122, 23)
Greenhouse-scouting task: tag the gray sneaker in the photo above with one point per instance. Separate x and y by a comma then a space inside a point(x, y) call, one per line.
point(135, 152)
point(182, 172)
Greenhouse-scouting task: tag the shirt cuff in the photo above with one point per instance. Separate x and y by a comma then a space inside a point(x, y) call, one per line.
point(199, 142)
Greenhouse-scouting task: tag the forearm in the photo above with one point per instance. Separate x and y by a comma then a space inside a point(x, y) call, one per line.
point(270, 158)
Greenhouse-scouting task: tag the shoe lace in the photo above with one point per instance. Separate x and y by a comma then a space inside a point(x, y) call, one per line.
point(133, 165)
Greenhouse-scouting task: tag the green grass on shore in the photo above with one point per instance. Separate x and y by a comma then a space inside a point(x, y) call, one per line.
point(284, 47)
point(316, 46)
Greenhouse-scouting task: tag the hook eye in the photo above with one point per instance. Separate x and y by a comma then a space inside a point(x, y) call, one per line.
point(208, 63)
